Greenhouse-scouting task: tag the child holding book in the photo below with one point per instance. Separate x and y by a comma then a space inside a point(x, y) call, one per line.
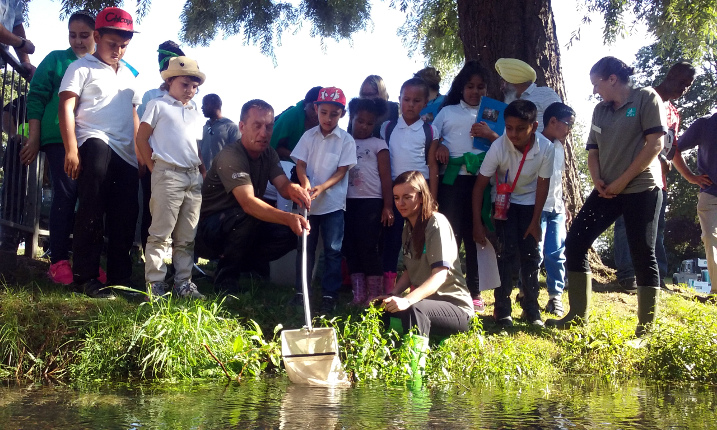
point(452, 182)
point(323, 156)
point(167, 140)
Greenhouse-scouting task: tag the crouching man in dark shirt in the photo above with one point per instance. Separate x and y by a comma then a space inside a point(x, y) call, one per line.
point(235, 225)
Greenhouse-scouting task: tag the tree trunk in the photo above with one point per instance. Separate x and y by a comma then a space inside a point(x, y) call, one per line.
point(523, 29)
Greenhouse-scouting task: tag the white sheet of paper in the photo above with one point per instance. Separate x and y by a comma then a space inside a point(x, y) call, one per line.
point(489, 278)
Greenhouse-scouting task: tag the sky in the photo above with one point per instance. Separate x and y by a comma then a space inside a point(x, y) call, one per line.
point(239, 72)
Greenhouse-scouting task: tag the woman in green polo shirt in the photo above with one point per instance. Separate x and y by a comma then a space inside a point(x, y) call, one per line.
point(42, 102)
point(625, 138)
point(440, 302)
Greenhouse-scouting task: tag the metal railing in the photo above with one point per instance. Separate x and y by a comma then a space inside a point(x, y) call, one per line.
point(21, 192)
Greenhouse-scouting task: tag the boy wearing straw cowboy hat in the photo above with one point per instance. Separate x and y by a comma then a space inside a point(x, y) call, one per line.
point(167, 141)
point(518, 82)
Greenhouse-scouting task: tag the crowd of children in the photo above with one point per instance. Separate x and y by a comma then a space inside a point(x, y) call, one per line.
point(102, 147)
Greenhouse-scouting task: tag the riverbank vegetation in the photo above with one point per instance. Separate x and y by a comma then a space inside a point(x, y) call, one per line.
point(47, 332)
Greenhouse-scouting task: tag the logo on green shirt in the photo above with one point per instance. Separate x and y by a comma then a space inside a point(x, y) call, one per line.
point(631, 112)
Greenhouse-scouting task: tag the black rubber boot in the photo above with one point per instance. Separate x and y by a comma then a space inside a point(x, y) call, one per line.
point(646, 309)
point(579, 296)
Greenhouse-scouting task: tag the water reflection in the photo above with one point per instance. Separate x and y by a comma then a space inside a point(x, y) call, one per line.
point(275, 403)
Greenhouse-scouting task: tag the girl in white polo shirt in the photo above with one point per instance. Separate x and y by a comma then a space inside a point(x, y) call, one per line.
point(167, 140)
point(408, 140)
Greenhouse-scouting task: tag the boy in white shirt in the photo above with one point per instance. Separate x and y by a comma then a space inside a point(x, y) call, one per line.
point(525, 158)
point(167, 139)
point(98, 120)
point(558, 120)
point(323, 155)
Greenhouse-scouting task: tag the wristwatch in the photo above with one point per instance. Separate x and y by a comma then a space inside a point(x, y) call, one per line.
point(22, 44)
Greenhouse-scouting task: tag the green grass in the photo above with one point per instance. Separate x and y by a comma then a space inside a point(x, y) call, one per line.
point(48, 332)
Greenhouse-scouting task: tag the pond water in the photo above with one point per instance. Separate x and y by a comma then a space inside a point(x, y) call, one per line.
point(275, 403)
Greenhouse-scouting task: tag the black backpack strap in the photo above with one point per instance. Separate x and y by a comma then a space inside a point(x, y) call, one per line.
point(389, 129)
point(429, 137)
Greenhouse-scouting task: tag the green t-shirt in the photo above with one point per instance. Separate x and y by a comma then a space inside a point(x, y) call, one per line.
point(619, 135)
point(440, 250)
point(43, 98)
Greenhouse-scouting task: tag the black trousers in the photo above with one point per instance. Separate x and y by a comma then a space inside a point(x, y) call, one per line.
point(455, 202)
point(436, 317)
point(362, 233)
point(107, 194)
point(512, 247)
point(641, 212)
point(240, 241)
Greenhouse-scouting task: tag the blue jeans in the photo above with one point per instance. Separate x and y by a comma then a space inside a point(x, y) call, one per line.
point(331, 227)
point(552, 249)
point(621, 250)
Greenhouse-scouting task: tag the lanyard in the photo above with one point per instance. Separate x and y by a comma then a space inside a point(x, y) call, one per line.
point(515, 180)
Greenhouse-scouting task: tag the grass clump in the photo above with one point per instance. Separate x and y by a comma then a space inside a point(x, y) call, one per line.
point(600, 349)
point(685, 348)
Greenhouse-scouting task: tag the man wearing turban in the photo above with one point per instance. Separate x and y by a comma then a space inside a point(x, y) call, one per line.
point(518, 82)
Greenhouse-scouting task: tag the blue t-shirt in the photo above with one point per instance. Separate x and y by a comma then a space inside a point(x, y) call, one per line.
point(701, 134)
point(429, 112)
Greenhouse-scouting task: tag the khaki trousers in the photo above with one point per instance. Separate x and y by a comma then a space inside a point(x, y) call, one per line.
point(175, 203)
point(707, 211)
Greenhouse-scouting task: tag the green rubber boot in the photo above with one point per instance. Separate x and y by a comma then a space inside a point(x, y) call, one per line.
point(646, 309)
point(580, 291)
point(418, 349)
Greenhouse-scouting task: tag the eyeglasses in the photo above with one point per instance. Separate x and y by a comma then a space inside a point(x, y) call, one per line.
point(569, 124)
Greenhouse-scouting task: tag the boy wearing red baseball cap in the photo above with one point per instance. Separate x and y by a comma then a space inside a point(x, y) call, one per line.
point(323, 155)
point(98, 120)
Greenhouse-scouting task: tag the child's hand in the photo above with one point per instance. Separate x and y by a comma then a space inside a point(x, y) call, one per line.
point(535, 231)
point(481, 129)
point(316, 191)
point(479, 234)
point(387, 217)
point(442, 154)
point(29, 150)
point(72, 164)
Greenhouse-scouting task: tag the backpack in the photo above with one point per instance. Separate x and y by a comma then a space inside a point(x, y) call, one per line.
point(427, 129)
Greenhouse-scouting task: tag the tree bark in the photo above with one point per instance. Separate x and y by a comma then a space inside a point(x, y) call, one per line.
point(523, 29)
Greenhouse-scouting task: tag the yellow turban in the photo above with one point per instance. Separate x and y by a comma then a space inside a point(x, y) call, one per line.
point(515, 71)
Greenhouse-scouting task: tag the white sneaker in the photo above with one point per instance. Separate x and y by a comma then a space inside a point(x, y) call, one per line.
point(188, 290)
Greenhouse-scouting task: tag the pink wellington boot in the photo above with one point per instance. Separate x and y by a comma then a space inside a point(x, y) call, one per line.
point(389, 281)
point(358, 286)
point(375, 288)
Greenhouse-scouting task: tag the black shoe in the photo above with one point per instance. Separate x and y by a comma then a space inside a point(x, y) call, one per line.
point(297, 300)
point(505, 322)
point(328, 305)
point(555, 306)
point(225, 281)
point(97, 290)
point(534, 320)
point(628, 285)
